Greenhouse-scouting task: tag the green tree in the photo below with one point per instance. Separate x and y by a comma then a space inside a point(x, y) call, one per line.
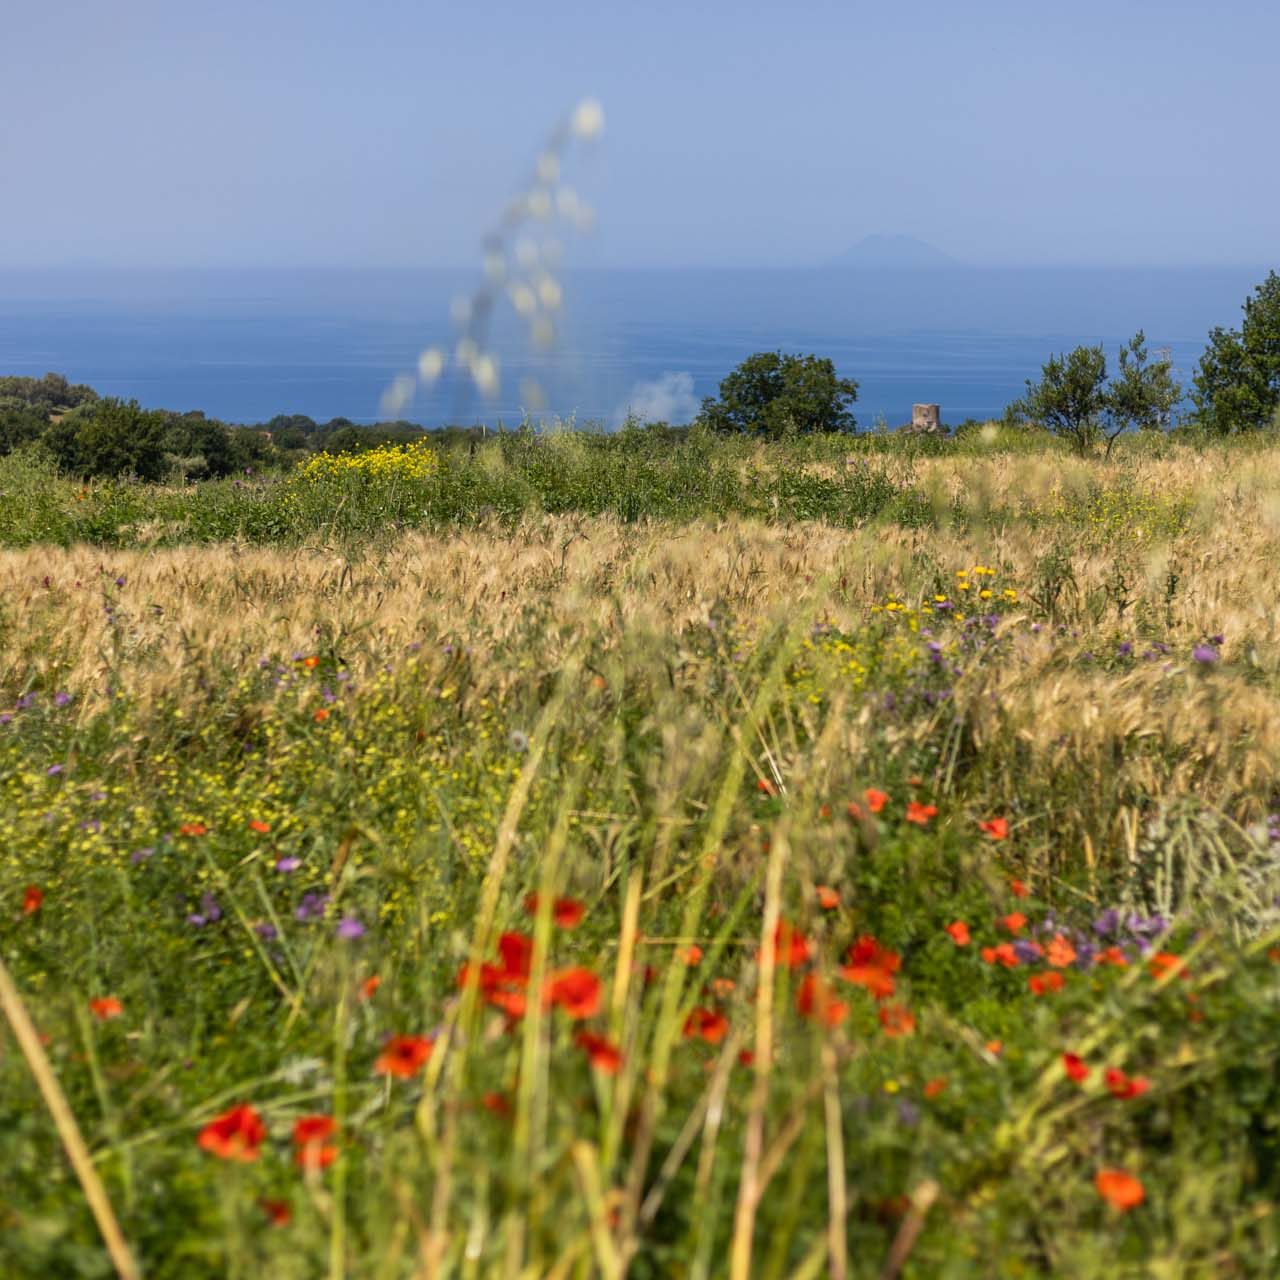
point(1143, 394)
point(774, 395)
point(1237, 387)
point(1071, 396)
point(110, 438)
point(19, 424)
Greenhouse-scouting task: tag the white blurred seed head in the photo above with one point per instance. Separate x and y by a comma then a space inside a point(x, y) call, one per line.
point(540, 203)
point(527, 252)
point(396, 398)
point(549, 292)
point(588, 119)
point(465, 352)
point(532, 396)
point(484, 370)
point(567, 202)
point(430, 364)
point(495, 266)
point(523, 299)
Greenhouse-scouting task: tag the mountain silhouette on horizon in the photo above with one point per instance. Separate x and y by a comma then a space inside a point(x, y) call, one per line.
point(893, 251)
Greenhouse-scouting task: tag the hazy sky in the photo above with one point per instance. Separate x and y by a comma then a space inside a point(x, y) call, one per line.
point(390, 132)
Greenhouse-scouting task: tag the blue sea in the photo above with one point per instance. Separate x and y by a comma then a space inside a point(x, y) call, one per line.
point(246, 345)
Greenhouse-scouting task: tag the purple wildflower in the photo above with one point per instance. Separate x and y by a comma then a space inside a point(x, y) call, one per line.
point(60, 699)
point(349, 929)
point(312, 906)
point(288, 864)
point(266, 931)
point(1205, 653)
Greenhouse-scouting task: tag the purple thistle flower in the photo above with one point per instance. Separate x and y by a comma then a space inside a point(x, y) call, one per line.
point(60, 699)
point(1027, 952)
point(53, 770)
point(1205, 653)
point(349, 929)
point(312, 906)
point(1107, 925)
point(288, 864)
point(266, 931)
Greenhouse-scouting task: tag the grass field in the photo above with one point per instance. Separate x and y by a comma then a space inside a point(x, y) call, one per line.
point(567, 861)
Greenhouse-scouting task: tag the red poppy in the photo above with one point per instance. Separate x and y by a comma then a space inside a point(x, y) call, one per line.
point(1113, 956)
point(996, 828)
point(105, 1007)
point(566, 912)
point(257, 824)
point(1018, 888)
point(277, 1211)
point(404, 1056)
point(854, 810)
point(706, 1024)
point(1123, 1086)
point(692, 955)
point(310, 1140)
point(920, 813)
point(1004, 955)
point(1119, 1189)
point(1166, 963)
point(828, 898)
point(321, 715)
point(1075, 1067)
point(1061, 953)
point(605, 1056)
point(824, 811)
point(959, 932)
point(876, 800)
point(1015, 922)
point(193, 829)
point(236, 1134)
point(722, 987)
point(871, 966)
point(498, 1103)
point(503, 985)
point(311, 662)
point(369, 986)
point(790, 946)
point(1042, 984)
point(32, 899)
point(766, 787)
point(576, 991)
point(934, 1087)
point(896, 1020)
point(814, 1000)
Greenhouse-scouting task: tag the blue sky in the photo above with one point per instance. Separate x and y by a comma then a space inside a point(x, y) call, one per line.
point(389, 132)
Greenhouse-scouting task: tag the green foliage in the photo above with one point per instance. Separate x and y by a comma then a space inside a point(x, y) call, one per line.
point(1071, 395)
point(110, 438)
point(1237, 387)
point(50, 394)
point(774, 395)
point(1142, 394)
point(19, 424)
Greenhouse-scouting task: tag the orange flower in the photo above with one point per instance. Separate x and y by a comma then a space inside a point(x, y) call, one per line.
point(404, 1056)
point(1075, 1067)
point(369, 986)
point(767, 787)
point(193, 829)
point(566, 912)
point(723, 987)
point(896, 1020)
point(790, 946)
point(1018, 888)
point(871, 966)
point(1045, 983)
point(828, 898)
point(876, 800)
point(994, 1047)
point(498, 1103)
point(1121, 1190)
point(32, 899)
point(1113, 956)
point(321, 716)
point(1273, 954)
point(934, 1087)
point(1004, 955)
point(236, 1134)
point(996, 828)
point(920, 813)
point(824, 811)
point(815, 1001)
point(259, 826)
point(576, 991)
point(277, 1211)
point(1061, 953)
point(105, 1007)
point(959, 932)
point(1015, 922)
point(1123, 1086)
point(311, 662)
point(1165, 962)
point(604, 1055)
point(855, 810)
point(692, 955)
point(310, 1134)
point(706, 1024)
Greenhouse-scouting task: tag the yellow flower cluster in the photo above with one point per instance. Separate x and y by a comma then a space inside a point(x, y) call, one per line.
point(416, 461)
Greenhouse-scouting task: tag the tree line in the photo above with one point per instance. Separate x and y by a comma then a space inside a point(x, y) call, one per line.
point(770, 394)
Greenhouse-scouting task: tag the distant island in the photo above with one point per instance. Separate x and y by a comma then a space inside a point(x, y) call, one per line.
point(885, 252)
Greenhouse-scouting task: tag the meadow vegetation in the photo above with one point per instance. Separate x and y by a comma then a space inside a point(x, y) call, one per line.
point(628, 856)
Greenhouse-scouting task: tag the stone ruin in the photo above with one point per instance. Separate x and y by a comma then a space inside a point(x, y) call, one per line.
point(926, 418)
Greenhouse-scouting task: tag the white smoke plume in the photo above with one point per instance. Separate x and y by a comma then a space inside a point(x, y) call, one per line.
point(667, 399)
